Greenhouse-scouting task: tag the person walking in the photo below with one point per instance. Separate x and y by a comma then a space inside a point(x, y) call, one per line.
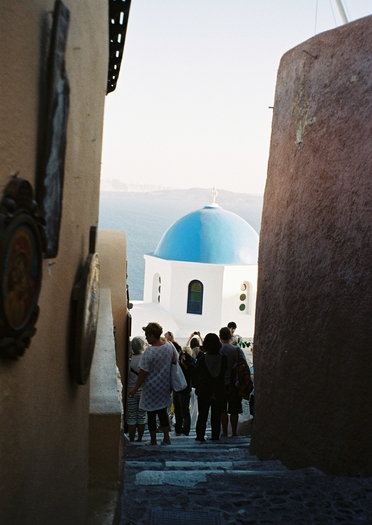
point(233, 403)
point(136, 419)
point(181, 399)
point(209, 377)
point(154, 377)
point(251, 397)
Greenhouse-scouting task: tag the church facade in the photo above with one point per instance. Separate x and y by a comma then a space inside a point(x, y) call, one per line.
point(202, 275)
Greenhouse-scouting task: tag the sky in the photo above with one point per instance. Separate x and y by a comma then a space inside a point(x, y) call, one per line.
point(197, 79)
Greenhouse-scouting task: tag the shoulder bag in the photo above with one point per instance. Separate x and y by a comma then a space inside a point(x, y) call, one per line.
point(177, 378)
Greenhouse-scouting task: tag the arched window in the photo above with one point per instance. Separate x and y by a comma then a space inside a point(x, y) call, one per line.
point(195, 298)
point(156, 288)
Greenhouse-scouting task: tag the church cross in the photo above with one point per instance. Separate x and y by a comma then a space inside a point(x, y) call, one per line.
point(214, 194)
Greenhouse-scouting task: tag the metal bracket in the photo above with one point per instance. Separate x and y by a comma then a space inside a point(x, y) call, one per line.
point(118, 21)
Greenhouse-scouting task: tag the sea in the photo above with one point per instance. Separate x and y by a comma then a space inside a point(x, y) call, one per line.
point(145, 217)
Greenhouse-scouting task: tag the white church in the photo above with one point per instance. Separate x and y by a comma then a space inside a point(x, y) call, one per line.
point(202, 275)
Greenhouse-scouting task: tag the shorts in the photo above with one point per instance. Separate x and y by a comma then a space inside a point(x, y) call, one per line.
point(163, 417)
point(232, 404)
point(135, 414)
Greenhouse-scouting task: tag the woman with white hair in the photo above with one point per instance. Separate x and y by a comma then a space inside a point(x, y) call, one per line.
point(136, 416)
point(154, 378)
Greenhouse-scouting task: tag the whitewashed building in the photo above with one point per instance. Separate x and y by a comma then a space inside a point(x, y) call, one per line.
point(202, 275)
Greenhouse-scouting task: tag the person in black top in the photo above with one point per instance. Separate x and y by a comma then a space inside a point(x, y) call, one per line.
point(168, 336)
point(209, 379)
point(181, 400)
point(233, 404)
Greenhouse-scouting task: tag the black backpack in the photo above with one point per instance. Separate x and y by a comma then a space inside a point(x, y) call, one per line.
point(241, 381)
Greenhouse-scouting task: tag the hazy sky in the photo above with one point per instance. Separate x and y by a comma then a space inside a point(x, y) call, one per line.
point(191, 107)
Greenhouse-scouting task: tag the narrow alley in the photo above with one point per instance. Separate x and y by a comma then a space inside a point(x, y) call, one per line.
point(190, 483)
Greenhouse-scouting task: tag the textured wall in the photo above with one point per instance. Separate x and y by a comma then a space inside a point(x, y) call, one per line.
point(43, 414)
point(105, 408)
point(313, 336)
point(112, 250)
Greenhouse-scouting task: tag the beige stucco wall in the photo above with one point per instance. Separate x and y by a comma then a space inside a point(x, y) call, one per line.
point(112, 249)
point(105, 408)
point(43, 414)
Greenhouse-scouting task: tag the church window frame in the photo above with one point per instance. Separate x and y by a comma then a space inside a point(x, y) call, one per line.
point(195, 295)
point(245, 295)
point(156, 288)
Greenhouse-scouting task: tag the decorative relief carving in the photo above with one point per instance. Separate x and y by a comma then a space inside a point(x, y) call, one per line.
point(22, 238)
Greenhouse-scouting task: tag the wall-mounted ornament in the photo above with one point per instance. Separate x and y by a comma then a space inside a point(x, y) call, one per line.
point(22, 238)
point(85, 305)
point(52, 163)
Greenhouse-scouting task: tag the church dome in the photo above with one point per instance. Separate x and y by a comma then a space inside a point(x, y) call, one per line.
point(210, 235)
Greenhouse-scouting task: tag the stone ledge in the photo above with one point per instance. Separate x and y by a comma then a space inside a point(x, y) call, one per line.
point(105, 382)
point(105, 423)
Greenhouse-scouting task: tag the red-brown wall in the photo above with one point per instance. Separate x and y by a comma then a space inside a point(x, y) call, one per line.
point(313, 335)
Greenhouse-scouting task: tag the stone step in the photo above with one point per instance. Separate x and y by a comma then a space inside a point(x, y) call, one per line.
point(196, 465)
point(190, 478)
point(181, 442)
point(160, 465)
point(189, 483)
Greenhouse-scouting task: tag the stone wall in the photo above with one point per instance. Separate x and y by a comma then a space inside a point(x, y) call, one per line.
point(313, 344)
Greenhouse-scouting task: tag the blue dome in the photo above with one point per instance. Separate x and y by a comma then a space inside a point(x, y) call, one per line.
point(210, 235)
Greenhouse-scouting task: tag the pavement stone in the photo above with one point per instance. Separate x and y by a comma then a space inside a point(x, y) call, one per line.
point(222, 483)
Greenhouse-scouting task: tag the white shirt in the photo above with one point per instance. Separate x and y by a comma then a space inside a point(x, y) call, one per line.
point(157, 361)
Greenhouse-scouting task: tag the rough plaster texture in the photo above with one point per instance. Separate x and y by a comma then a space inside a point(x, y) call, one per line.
point(112, 250)
point(43, 414)
point(313, 353)
point(105, 407)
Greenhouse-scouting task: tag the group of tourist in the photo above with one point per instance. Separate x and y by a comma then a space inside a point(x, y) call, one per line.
point(206, 364)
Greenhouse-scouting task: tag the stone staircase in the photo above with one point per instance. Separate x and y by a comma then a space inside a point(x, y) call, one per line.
point(208, 483)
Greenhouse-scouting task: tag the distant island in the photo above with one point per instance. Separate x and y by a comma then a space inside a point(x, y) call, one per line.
point(161, 191)
point(118, 185)
point(248, 206)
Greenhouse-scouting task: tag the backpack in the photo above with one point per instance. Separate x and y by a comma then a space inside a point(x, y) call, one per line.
point(241, 382)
